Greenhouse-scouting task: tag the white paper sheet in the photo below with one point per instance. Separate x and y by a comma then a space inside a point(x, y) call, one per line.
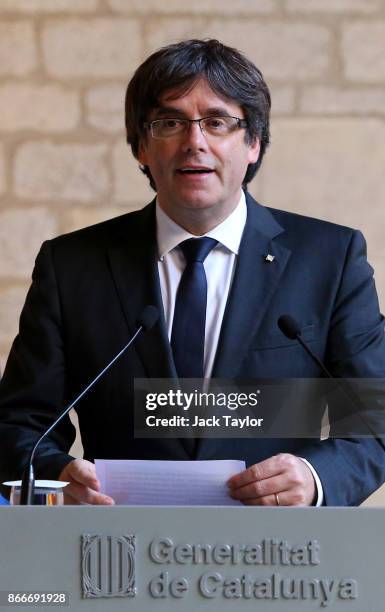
point(169, 483)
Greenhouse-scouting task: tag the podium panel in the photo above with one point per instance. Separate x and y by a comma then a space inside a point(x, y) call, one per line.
point(158, 559)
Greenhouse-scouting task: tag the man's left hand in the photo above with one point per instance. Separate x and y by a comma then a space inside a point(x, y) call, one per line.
point(283, 480)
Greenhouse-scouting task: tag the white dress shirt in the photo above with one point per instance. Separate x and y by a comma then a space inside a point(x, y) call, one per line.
point(219, 267)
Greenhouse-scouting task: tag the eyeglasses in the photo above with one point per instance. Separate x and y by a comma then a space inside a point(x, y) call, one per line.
point(210, 126)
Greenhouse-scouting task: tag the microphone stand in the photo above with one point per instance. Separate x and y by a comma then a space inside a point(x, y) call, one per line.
point(147, 321)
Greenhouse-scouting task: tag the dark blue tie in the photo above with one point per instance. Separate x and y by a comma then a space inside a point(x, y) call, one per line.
point(188, 328)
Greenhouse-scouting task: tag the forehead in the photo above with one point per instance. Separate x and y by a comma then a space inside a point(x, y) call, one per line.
point(198, 97)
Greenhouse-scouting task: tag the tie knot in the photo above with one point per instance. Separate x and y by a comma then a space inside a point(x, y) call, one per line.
point(197, 249)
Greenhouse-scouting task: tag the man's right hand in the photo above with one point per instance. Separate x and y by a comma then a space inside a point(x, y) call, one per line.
point(83, 485)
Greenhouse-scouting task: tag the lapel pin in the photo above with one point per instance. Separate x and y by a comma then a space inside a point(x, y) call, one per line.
point(269, 258)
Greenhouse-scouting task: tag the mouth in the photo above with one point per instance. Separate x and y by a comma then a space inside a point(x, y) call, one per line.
point(194, 170)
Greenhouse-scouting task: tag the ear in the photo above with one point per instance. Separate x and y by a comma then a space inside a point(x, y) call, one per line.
point(253, 152)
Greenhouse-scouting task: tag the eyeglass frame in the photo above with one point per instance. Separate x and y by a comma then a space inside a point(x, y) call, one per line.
point(241, 124)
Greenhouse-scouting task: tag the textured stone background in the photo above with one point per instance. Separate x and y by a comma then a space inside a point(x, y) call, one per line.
point(64, 65)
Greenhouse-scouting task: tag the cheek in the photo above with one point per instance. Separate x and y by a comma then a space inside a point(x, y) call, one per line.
point(237, 166)
point(161, 168)
point(235, 159)
point(162, 160)
point(154, 162)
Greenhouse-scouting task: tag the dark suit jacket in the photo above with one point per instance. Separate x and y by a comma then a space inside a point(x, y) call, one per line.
point(88, 289)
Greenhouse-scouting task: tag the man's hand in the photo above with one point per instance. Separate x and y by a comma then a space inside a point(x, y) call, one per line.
point(83, 485)
point(284, 475)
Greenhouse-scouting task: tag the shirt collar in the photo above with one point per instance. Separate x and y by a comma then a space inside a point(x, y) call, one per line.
point(228, 233)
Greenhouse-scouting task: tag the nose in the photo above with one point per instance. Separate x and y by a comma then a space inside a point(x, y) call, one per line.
point(194, 139)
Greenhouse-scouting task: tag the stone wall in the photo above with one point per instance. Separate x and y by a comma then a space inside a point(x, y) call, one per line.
point(64, 65)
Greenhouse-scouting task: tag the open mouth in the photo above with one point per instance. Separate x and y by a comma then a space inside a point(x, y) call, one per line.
point(194, 171)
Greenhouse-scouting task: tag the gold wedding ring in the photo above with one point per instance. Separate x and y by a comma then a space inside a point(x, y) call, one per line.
point(277, 499)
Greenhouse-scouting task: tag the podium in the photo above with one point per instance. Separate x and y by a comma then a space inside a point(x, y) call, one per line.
point(147, 559)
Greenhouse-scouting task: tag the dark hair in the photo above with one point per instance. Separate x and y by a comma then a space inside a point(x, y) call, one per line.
point(178, 66)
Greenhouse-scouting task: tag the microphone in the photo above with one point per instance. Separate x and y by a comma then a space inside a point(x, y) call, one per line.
point(291, 329)
point(145, 322)
point(148, 318)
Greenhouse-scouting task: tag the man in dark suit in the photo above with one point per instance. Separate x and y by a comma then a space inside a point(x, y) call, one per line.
point(197, 120)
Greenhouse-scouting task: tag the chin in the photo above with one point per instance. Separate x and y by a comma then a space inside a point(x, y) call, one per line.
point(198, 201)
point(198, 204)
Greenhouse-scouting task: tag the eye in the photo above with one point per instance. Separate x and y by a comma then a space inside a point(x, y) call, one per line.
point(171, 124)
point(216, 123)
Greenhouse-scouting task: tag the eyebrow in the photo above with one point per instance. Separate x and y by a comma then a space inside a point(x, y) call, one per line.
point(171, 111)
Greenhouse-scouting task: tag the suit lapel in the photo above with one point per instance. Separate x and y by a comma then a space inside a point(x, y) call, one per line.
point(135, 272)
point(134, 269)
point(254, 284)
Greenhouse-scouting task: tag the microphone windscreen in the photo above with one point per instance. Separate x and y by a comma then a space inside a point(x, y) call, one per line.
point(148, 318)
point(289, 327)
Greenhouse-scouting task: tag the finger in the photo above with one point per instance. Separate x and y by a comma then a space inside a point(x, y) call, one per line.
point(292, 497)
point(259, 471)
point(268, 500)
point(82, 472)
point(260, 488)
point(83, 487)
point(80, 494)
